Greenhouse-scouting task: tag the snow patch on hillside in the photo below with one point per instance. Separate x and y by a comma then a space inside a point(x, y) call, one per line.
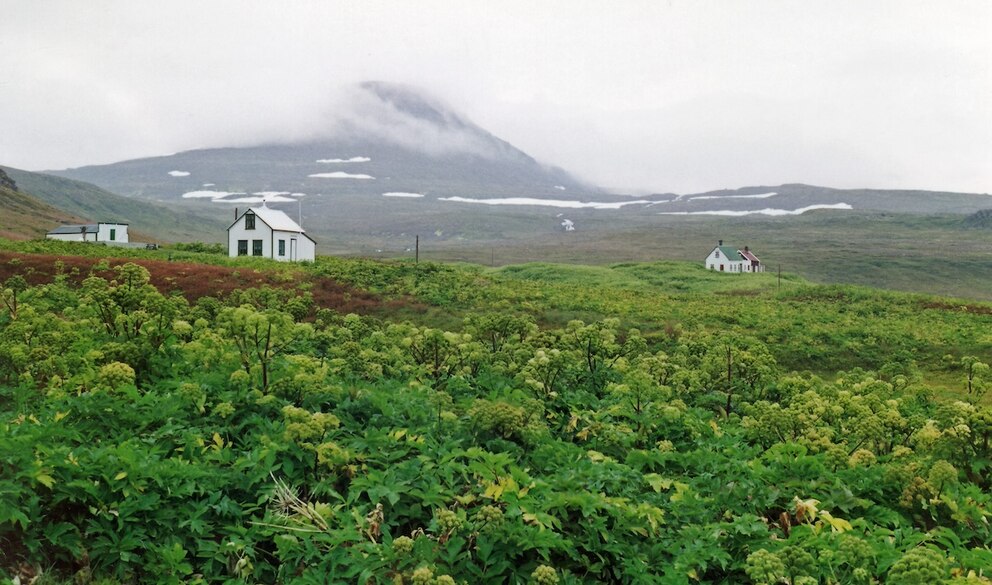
point(341, 175)
point(758, 196)
point(544, 202)
point(401, 194)
point(265, 199)
point(767, 211)
point(208, 194)
point(354, 159)
point(179, 173)
point(568, 224)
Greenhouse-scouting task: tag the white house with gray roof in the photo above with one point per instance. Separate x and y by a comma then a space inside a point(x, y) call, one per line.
point(106, 232)
point(731, 259)
point(269, 233)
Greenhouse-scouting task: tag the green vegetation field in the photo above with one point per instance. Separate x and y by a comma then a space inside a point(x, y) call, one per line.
point(180, 417)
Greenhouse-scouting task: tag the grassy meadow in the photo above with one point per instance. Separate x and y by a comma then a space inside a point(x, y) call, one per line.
point(178, 416)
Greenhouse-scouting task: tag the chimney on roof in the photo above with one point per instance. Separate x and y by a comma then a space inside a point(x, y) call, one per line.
point(720, 243)
point(235, 214)
point(746, 249)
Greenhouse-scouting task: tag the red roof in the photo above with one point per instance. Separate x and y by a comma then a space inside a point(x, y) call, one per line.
point(749, 255)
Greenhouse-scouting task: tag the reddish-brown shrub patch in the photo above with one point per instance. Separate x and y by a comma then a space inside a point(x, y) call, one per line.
point(198, 280)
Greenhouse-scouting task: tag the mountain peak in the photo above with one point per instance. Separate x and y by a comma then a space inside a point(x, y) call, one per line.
point(415, 102)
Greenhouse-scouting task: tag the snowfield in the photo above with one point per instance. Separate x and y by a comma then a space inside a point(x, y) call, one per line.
point(353, 159)
point(340, 175)
point(544, 202)
point(208, 194)
point(767, 211)
point(401, 194)
point(179, 173)
point(256, 199)
point(759, 196)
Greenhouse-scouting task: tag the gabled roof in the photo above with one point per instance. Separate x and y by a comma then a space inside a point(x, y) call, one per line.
point(90, 228)
point(749, 255)
point(276, 220)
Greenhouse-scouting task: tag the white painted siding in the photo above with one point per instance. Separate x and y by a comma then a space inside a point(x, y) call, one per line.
point(117, 230)
point(80, 237)
point(716, 258)
point(238, 232)
point(297, 247)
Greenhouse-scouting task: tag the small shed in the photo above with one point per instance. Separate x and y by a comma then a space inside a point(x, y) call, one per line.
point(91, 232)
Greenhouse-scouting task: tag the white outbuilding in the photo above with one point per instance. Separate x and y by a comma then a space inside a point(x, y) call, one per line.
point(106, 232)
point(269, 233)
point(730, 259)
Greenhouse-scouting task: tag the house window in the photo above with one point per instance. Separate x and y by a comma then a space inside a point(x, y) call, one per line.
point(249, 221)
point(113, 234)
point(282, 247)
point(242, 247)
point(256, 247)
point(718, 253)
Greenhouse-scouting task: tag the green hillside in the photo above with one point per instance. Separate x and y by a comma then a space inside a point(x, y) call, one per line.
point(170, 416)
point(172, 223)
point(23, 216)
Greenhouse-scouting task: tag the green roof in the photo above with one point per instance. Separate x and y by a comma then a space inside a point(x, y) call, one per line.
point(730, 253)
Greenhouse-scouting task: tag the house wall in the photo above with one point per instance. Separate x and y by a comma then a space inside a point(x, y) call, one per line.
point(305, 248)
point(238, 232)
point(714, 261)
point(79, 237)
point(103, 232)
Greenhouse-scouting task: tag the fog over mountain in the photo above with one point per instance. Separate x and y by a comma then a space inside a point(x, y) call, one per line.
point(683, 97)
point(382, 138)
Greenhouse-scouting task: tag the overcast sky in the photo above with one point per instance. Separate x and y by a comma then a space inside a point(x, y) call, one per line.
point(663, 96)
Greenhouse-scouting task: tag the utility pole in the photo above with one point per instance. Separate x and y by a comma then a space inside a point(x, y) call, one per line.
point(492, 256)
point(416, 257)
point(730, 382)
point(779, 277)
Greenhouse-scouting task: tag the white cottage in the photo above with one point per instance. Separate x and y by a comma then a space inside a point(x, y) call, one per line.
point(730, 259)
point(269, 233)
point(92, 232)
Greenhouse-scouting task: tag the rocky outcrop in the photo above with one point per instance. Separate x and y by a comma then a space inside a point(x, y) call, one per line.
point(6, 182)
point(979, 219)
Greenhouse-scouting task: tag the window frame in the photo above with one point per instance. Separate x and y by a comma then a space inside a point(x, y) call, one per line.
point(242, 247)
point(257, 247)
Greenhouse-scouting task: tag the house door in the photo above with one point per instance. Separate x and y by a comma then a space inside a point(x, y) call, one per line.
point(292, 249)
point(721, 268)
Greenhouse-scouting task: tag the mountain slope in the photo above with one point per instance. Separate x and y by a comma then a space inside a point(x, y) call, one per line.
point(83, 200)
point(23, 216)
point(387, 138)
point(392, 163)
point(796, 196)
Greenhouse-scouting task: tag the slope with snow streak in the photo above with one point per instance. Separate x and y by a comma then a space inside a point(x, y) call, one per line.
point(758, 196)
point(545, 202)
point(766, 211)
point(341, 175)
